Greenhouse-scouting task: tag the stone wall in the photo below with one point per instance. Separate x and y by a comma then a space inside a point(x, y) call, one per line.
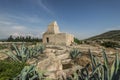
point(59, 39)
point(70, 39)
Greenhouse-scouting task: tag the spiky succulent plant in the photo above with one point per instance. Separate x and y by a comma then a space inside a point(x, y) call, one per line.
point(23, 53)
point(100, 71)
point(29, 73)
point(75, 53)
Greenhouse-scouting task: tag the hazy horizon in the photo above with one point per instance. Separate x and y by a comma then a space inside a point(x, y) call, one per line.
point(82, 18)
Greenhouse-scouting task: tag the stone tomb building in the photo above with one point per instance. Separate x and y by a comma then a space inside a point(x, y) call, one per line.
point(54, 36)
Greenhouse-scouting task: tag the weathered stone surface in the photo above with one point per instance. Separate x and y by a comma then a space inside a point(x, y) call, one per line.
point(50, 65)
point(53, 36)
point(63, 56)
point(65, 61)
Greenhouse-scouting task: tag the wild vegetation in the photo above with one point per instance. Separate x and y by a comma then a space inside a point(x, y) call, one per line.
point(19, 55)
point(16, 68)
point(10, 69)
point(29, 73)
point(3, 46)
point(23, 53)
point(74, 54)
point(100, 71)
point(23, 39)
point(110, 35)
point(110, 44)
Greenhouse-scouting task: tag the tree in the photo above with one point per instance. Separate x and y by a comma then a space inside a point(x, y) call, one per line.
point(10, 39)
point(76, 40)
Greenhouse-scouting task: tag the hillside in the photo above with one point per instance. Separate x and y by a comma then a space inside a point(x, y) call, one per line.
point(110, 35)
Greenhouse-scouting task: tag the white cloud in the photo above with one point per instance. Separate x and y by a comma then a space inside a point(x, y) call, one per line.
point(5, 22)
point(19, 27)
point(9, 18)
point(45, 7)
point(113, 28)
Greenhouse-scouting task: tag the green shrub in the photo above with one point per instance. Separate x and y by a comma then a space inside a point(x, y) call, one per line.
point(10, 69)
point(76, 40)
point(109, 44)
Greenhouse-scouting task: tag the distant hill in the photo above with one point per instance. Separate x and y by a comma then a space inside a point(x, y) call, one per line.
point(110, 35)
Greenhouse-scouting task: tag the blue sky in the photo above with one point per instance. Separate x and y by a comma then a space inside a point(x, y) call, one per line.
point(83, 18)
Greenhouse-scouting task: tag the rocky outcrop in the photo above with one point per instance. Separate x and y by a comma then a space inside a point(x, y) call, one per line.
point(56, 62)
point(52, 66)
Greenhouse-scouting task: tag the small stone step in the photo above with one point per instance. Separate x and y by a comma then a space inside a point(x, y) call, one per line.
point(65, 61)
point(63, 56)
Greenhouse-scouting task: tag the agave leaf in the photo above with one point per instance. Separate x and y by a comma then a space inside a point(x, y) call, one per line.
point(34, 77)
point(117, 62)
point(112, 70)
point(16, 49)
point(105, 58)
point(96, 69)
point(28, 73)
point(24, 76)
point(91, 57)
point(115, 67)
point(11, 55)
point(106, 66)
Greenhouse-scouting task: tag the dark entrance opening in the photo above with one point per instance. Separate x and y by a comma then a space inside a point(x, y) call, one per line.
point(47, 40)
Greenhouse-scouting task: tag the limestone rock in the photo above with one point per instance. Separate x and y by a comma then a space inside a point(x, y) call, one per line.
point(66, 61)
point(50, 66)
point(63, 56)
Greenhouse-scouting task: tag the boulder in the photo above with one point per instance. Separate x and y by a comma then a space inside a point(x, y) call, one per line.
point(51, 65)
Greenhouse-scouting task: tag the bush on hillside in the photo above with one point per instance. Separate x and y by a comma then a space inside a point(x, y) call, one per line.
point(76, 40)
point(110, 44)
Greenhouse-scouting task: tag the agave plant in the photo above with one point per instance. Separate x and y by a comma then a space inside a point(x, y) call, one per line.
point(36, 50)
point(19, 54)
point(85, 74)
point(23, 53)
point(113, 72)
point(29, 73)
point(74, 55)
point(100, 71)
